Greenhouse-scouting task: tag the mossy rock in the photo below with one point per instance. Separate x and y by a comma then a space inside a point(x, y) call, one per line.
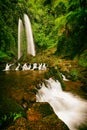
point(8, 105)
point(56, 75)
point(43, 108)
point(9, 111)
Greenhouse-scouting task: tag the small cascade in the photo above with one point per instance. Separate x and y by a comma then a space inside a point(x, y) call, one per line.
point(40, 66)
point(34, 66)
point(26, 66)
point(29, 35)
point(29, 66)
point(7, 67)
point(72, 110)
point(64, 78)
point(17, 68)
point(20, 29)
point(44, 66)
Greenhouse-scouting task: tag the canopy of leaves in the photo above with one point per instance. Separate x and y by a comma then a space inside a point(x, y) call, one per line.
point(59, 23)
point(72, 30)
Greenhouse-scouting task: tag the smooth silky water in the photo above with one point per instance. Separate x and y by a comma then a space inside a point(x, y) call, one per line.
point(29, 37)
point(71, 109)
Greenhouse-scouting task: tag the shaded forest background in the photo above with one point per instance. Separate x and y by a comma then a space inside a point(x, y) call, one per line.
point(56, 23)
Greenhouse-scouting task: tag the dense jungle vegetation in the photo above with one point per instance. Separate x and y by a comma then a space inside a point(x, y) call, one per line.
point(60, 35)
point(55, 23)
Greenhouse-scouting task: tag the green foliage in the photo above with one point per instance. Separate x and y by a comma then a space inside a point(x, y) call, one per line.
point(83, 59)
point(9, 110)
point(73, 5)
point(72, 31)
point(60, 23)
point(59, 7)
point(9, 23)
point(4, 56)
point(7, 119)
point(74, 73)
point(64, 50)
point(7, 35)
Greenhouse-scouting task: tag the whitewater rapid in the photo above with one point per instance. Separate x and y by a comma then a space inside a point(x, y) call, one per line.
point(71, 109)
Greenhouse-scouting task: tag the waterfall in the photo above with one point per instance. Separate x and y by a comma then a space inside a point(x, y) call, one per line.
point(20, 29)
point(72, 110)
point(30, 41)
point(29, 36)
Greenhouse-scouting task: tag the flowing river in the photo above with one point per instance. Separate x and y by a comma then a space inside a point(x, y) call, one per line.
point(19, 84)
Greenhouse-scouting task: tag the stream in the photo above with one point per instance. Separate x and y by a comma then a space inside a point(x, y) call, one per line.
point(19, 86)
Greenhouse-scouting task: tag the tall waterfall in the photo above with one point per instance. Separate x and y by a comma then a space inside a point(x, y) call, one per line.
point(29, 37)
point(68, 107)
point(20, 29)
point(30, 41)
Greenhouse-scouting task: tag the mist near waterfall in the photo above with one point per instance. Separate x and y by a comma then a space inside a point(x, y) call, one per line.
point(71, 109)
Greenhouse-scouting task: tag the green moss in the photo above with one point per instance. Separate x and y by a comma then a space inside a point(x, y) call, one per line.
point(83, 59)
point(43, 108)
point(9, 111)
point(75, 74)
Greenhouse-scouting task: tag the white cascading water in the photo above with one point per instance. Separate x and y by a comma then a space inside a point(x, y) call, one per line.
point(20, 29)
point(71, 109)
point(17, 68)
point(30, 41)
point(7, 67)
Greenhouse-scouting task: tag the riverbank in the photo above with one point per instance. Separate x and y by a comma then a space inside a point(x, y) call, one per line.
point(39, 115)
